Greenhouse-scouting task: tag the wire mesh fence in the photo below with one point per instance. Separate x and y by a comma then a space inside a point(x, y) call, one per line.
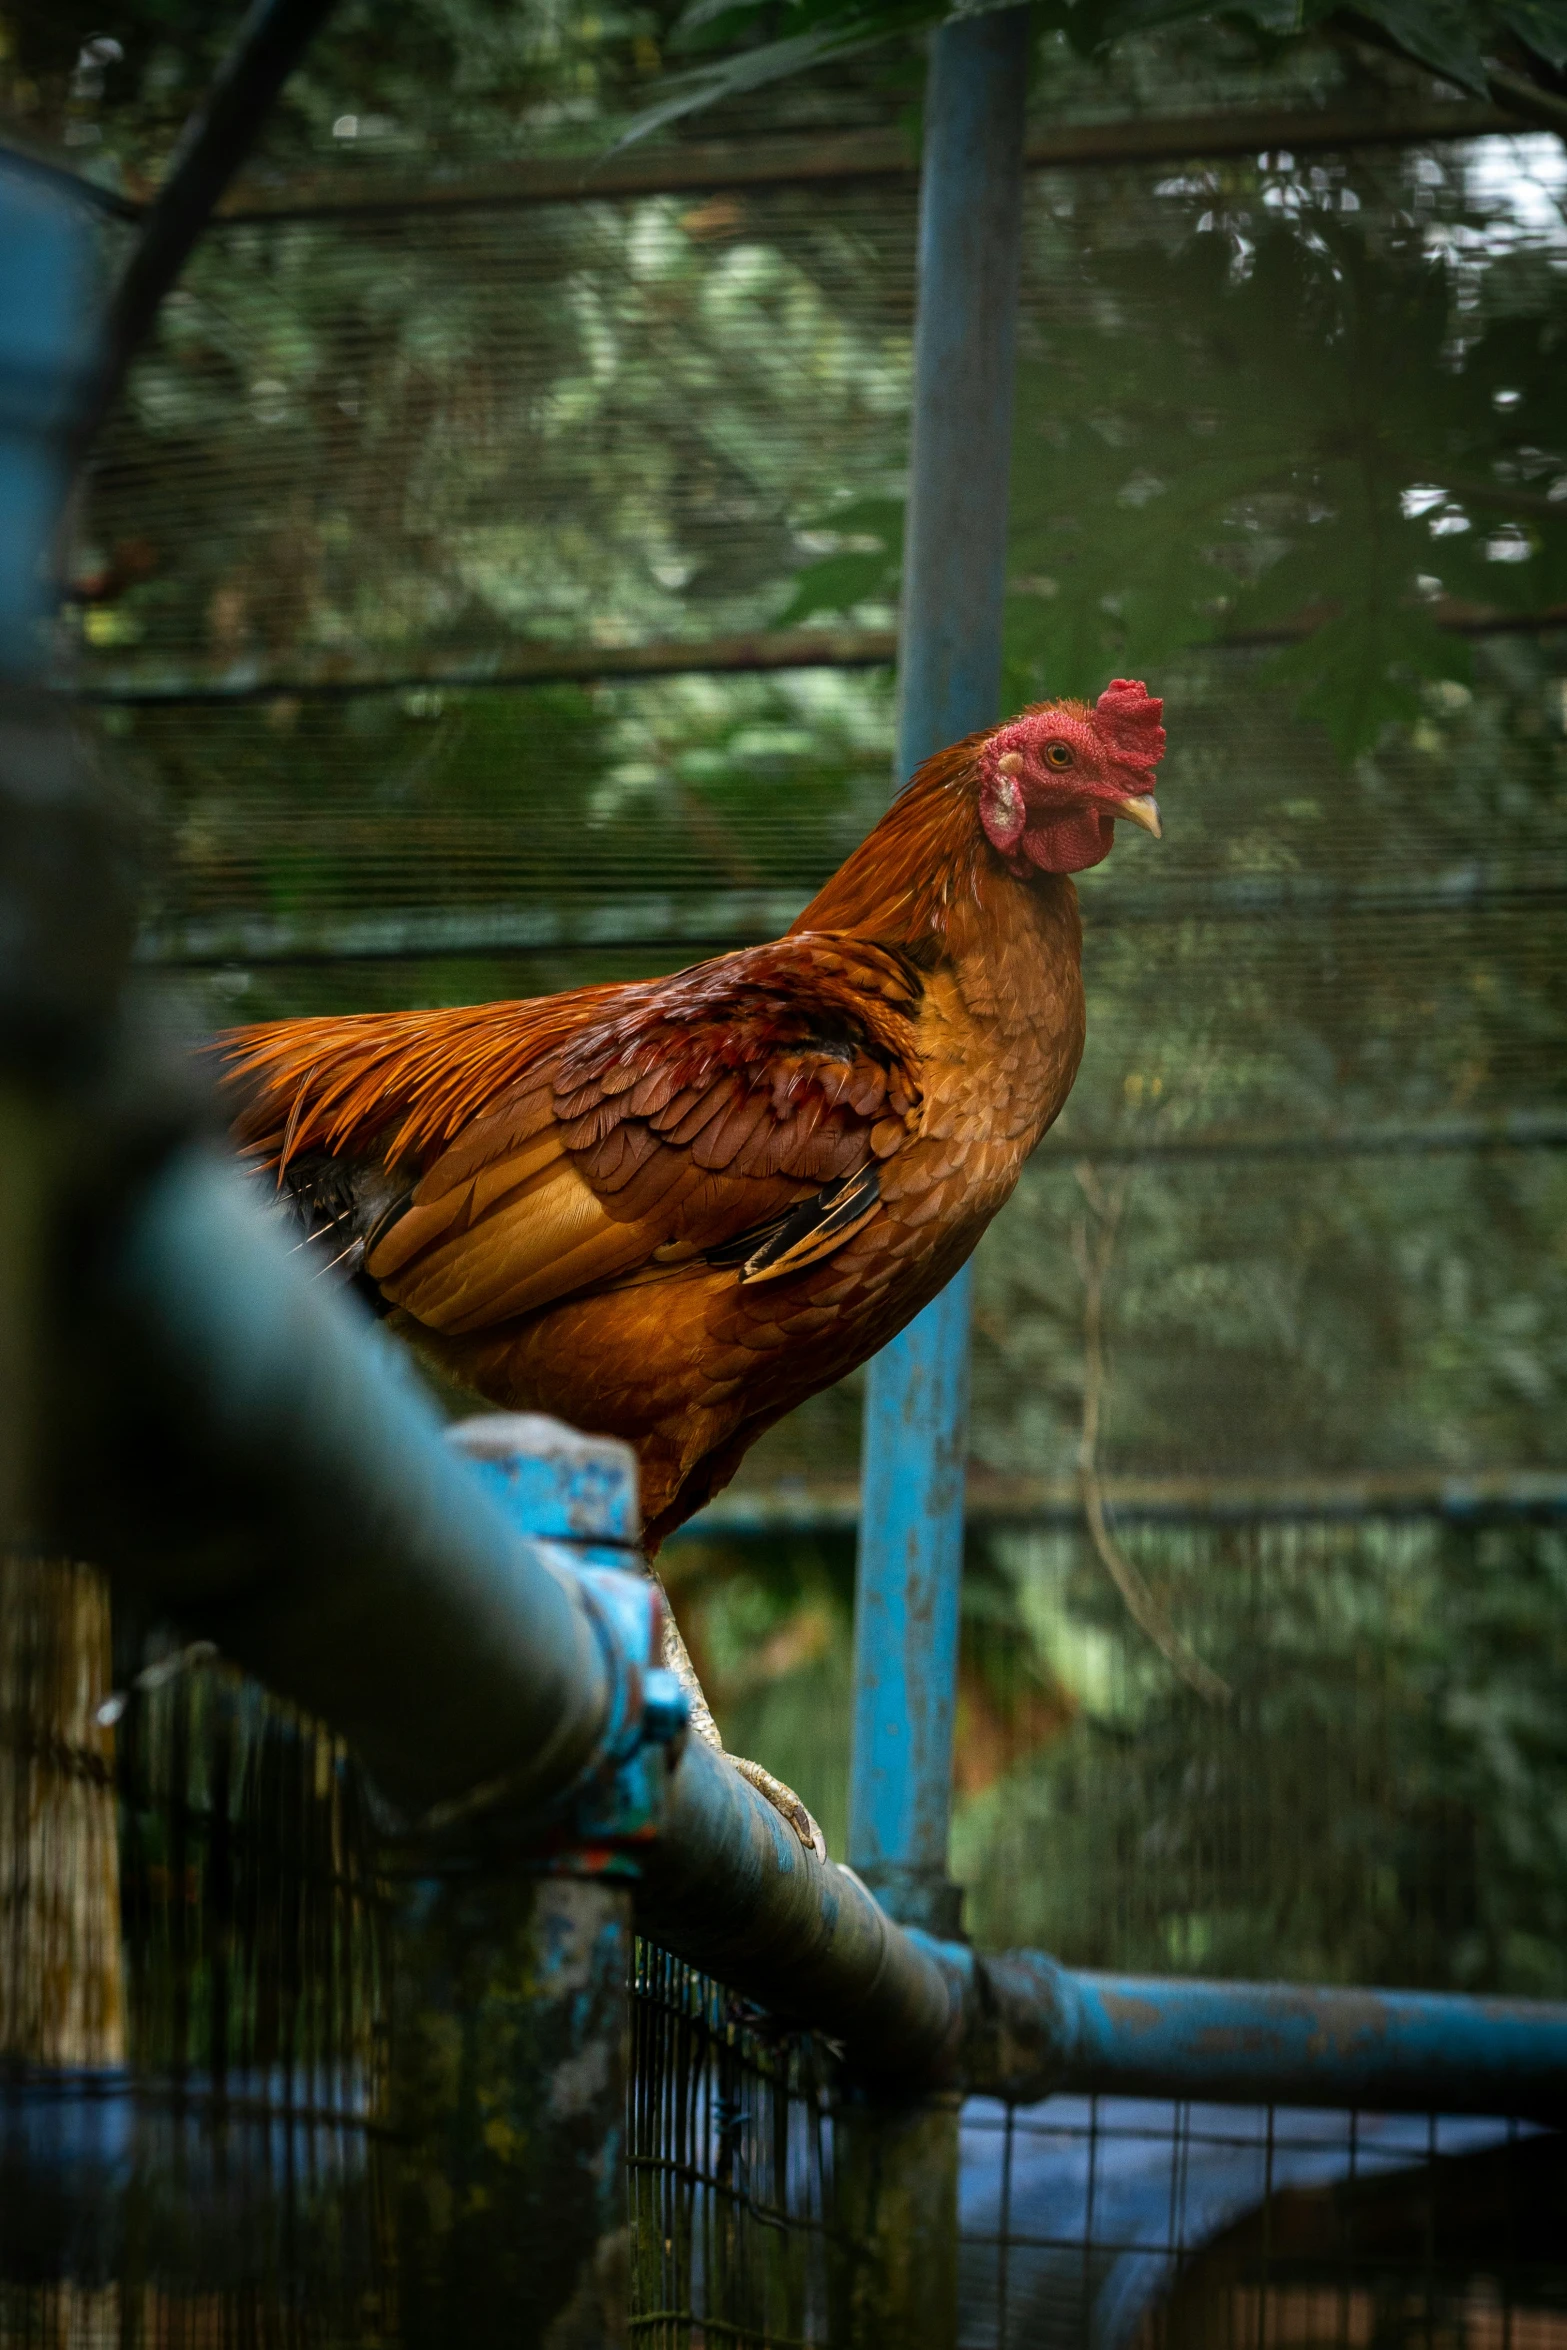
point(1130, 2225)
point(192, 2005)
point(198, 1955)
point(737, 2227)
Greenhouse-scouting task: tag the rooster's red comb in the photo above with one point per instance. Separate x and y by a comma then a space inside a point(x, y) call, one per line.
point(1130, 715)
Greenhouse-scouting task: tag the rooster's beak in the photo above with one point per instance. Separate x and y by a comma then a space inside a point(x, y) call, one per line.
point(1144, 811)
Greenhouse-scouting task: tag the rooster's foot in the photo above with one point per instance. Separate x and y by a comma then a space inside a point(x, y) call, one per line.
point(785, 1801)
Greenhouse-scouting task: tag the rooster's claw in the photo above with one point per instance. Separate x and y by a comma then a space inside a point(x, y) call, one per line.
point(783, 1799)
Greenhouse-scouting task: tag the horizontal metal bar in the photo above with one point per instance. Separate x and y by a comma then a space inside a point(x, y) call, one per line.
point(833, 1507)
point(716, 167)
point(1519, 1130)
point(882, 155)
point(759, 651)
point(649, 919)
point(1246, 897)
point(1271, 2043)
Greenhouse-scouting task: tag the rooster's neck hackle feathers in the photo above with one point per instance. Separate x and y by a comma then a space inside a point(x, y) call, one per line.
point(918, 876)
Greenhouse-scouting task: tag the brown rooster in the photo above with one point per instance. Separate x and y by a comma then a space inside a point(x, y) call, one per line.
point(671, 1210)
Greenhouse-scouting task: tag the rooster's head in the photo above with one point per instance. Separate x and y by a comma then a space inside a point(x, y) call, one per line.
point(1054, 780)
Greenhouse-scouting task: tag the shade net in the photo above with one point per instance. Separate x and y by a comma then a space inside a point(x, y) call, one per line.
point(478, 595)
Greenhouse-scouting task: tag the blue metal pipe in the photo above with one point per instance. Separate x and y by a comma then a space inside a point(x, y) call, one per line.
point(949, 682)
point(47, 354)
point(906, 1613)
point(245, 1446)
point(965, 339)
point(1260, 2043)
point(1287, 2044)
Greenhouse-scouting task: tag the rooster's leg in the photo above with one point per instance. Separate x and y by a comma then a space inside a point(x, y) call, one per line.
point(783, 1799)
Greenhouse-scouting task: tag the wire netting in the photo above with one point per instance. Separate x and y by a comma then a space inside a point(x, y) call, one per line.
point(1118, 2222)
point(192, 1997)
point(737, 2225)
point(199, 1954)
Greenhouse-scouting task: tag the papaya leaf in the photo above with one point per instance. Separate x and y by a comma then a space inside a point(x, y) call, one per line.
point(1454, 38)
point(1541, 25)
point(837, 583)
point(1444, 34)
point(1357, 674)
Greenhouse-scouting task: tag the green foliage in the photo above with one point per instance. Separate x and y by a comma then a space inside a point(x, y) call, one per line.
point(1307, 426)
point(1380, 1802)
point(422, 84)
point(388, 444)
point(1458, 39)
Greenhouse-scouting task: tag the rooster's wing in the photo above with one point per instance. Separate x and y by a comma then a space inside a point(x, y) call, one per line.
point(737, 1113)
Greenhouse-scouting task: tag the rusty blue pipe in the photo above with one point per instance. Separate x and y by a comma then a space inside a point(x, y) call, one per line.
point(1288, 2044)
point(247, 1449)
point(1034, 2026)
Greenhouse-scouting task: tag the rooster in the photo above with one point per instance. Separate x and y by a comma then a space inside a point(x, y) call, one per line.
point(672, 1209)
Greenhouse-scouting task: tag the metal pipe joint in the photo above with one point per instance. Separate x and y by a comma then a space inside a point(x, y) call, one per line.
point(573, 1498)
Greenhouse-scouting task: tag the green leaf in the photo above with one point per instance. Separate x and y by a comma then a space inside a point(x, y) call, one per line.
point(1541, 25)
point(837, 583)
point(1360, 672)
point(840, 34)
point(1444, 34)
point(862, 575)
point(1450, 36)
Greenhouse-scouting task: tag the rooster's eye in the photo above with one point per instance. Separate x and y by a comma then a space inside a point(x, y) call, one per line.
point(1057, 755)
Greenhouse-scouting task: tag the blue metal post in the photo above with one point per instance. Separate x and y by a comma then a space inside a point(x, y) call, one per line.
point(899, 2161)
point(46, 355)
point(949, 677)
point(906, 1613)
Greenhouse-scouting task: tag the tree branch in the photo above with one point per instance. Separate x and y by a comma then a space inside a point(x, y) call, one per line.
point(1093, 1251)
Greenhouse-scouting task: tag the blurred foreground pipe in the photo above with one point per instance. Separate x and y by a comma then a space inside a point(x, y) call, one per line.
point(266, 1469)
